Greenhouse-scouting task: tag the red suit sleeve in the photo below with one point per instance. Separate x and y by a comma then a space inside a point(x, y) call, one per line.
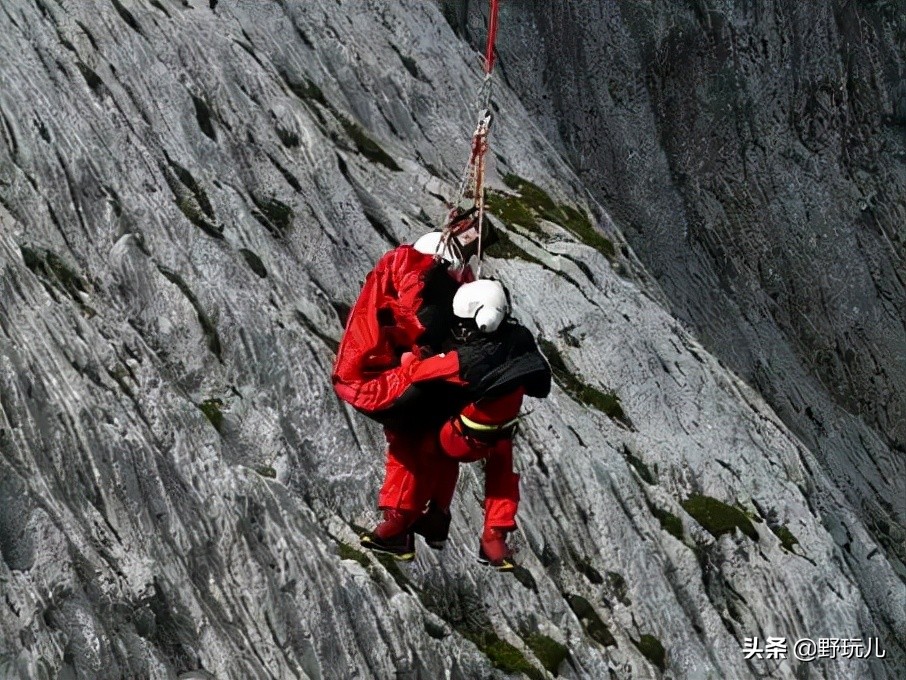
point(367, 372)
point(408, 279)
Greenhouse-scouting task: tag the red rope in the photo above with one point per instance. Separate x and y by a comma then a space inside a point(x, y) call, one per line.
point(473, 179)
point(492, 38)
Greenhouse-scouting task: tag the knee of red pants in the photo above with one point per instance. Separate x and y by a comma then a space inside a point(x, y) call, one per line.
point(502, 503)
point(501, 487)
point(446, 474)
point(400, 487)
point(456, 444)
point(497, 410)
point(408, 478)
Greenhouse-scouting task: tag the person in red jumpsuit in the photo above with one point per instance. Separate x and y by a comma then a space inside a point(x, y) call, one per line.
point(391, 366)
point(500, 364)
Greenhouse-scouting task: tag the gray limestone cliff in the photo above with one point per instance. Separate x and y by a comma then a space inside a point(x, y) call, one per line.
point(753, 155)
point(191, 194)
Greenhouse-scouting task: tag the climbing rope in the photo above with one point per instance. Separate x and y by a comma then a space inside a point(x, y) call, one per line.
point(458, 231)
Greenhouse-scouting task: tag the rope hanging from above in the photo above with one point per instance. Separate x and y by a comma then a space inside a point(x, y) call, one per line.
point(465, 222)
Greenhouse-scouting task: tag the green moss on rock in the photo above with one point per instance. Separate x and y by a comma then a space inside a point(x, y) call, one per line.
point(188, 180)
point(669, 522)
point(640, 467)
point(51, 268)
point(606, 403)
point(254, 262)
point(717, 517)
point(582, 228)
point(584, 567)
point(393, 568)
point(618, 587)
point(538, 204)
point(502, 246)
point(502, 654)
point(213, 411)
point(787, 539)
point(347, 552)
point(548, 651)
point(534, 195)
point(304, 89)
point(511, 210)
point(188, 207)
point(366, 146)
point(594, 627)
point(273, 214)
point(191, 199)
point(652, 649)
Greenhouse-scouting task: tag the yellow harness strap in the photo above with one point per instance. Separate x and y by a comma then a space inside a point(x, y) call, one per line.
point(481, 427)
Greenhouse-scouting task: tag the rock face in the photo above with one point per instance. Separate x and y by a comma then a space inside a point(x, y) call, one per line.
point(191, 194)
point(753, 155)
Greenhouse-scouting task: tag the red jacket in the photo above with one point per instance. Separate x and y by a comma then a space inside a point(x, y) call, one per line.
point(369, 372)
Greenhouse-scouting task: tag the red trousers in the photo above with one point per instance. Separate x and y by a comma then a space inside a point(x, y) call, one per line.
point(416, 471)
point(423, 466)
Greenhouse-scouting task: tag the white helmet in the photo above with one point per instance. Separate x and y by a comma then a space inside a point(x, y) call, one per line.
point(430, 244)
point(484, 301)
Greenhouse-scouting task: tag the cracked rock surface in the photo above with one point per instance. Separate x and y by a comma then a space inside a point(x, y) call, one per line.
point(753, 155)
point(191, 194)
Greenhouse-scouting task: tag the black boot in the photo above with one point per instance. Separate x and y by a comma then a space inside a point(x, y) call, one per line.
point(494, 551)
point(402, 546)
point(434, 526)
point(392, 536)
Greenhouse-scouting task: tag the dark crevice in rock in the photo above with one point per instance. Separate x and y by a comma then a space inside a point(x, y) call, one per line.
point(302, 36)
point(273, 214)
point(652, 649)
point(378, 225)
point(71, 185)
point(207, 324)
point(173, 631)
point(10, 135)
point(254, 262)
point(126, 16)
point(191, 198)
point(409, 63)
point(53, 271)
point(203, 116)
point(88, 34)
point(640, 467)
point(312, 328)
point(609, 404)
point(365, 145)
point(594, 627)
point(91, 78)
point(287, 175)
point(247, 46)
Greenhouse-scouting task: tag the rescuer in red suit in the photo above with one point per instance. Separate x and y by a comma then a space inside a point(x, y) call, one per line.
point(391, 365)
point(500, 364)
